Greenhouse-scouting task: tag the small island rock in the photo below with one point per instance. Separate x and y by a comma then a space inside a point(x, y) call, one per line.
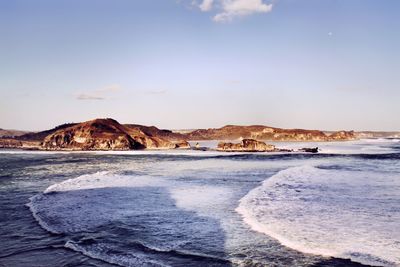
point(246, 145)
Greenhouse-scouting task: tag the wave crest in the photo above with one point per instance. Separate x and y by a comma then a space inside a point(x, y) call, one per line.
point(337, 213)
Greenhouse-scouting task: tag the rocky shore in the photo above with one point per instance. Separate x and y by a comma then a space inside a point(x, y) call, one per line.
point(251, 145)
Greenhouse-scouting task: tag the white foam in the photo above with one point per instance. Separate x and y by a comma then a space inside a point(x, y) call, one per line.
point(100, 251)
point(104, 180)
point(205, 200)
point(343, 214)
point(16, 151)
point(72, 205)
point(84, 203)
point(381, 140)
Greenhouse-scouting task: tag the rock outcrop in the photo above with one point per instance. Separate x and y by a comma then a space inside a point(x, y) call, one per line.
point(246, 145)
point(99, 134)
point(103, 134)
point(309, 149)
point(182, 145)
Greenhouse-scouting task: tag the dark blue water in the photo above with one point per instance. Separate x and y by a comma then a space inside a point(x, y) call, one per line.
point(157, 209)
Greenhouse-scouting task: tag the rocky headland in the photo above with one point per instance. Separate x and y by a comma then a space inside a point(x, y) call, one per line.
point(98, 134)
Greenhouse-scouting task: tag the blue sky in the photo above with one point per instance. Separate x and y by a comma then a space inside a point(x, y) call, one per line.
point(321, 64)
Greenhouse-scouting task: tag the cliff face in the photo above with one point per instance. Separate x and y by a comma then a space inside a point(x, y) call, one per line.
point(103, 134)
point(246, 145)
point(99, 134)
point(259, 132)
point(153, 131)
point(154, 138)
point(40, 136)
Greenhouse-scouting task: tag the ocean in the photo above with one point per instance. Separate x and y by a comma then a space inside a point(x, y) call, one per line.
point(340, 207)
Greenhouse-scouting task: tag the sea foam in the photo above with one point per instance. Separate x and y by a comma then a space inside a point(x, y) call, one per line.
point(82, 208)
point(346, 214)
point(74, 205)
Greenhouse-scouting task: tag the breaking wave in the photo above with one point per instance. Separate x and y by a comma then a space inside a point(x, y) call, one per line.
point(338, 213)
point(110, 217)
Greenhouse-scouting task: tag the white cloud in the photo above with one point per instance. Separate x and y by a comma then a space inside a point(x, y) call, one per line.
point(88, 96)
point(99, 94)
point(206, 5)
point(240, 8)
point(230, 9)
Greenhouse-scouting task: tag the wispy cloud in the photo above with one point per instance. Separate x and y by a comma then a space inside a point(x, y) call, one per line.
point(227, 10)
point(98, 94)
point(155, 92)
point(85, 96)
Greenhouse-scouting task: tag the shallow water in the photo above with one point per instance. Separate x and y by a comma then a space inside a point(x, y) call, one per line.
point(191, 208)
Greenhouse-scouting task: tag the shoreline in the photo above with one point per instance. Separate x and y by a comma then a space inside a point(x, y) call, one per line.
point(39, 148)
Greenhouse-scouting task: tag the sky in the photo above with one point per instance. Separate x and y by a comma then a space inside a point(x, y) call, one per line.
point(184, 64)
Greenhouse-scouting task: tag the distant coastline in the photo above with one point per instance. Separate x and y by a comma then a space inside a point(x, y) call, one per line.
point(108, 134)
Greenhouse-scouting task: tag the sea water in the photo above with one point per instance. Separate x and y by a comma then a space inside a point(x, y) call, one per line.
point(340, 207)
